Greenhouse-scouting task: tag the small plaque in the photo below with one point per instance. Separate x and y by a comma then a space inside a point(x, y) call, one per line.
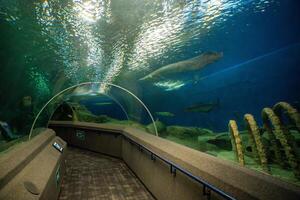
point(80, 135)
point(58, 147)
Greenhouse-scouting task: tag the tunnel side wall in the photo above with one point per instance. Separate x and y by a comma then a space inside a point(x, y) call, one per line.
point(156, 176)
point(101, 141)
point(237, 181)
point(37, 162)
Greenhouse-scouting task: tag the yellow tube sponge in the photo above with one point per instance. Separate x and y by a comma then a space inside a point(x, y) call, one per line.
point(257, 145)
point(292, 113)
point(236, 141)
point(271, 120)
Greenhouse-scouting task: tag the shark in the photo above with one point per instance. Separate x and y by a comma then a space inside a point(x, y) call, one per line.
point(192, 64)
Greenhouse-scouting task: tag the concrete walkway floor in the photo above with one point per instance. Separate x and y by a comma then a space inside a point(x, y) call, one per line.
point(95, 176)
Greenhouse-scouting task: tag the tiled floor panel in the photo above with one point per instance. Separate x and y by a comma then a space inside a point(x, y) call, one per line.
point(94, 176)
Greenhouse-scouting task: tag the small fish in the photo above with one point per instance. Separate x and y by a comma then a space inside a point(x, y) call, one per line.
point(103, 103)
point(203, 107)
point(165, 114)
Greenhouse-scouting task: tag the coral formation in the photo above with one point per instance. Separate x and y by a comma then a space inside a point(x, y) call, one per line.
point(236, 141)
point(269, 118)
point(257, 146)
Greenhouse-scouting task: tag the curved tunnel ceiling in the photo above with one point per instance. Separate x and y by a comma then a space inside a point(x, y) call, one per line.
point(72, 41)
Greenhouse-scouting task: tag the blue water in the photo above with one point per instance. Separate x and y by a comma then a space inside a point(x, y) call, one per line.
point(108, 107)
point(260, 68)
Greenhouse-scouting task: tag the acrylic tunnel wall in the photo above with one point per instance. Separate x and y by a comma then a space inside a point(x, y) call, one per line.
point(99, 103)
point(198, 66)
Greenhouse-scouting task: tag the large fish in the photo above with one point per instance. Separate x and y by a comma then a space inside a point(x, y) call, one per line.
point(203, 107)
point(192, 64)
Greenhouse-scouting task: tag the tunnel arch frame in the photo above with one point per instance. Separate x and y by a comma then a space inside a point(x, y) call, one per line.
point(90, 83)
point(113, 99)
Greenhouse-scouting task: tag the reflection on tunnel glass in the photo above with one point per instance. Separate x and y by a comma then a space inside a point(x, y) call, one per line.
point(218, 76)
point(87, 102)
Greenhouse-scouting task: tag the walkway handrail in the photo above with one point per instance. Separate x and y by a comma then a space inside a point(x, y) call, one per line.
point(173, 167)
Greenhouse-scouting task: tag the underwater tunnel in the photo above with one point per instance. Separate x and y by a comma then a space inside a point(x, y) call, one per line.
point(149, 99)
